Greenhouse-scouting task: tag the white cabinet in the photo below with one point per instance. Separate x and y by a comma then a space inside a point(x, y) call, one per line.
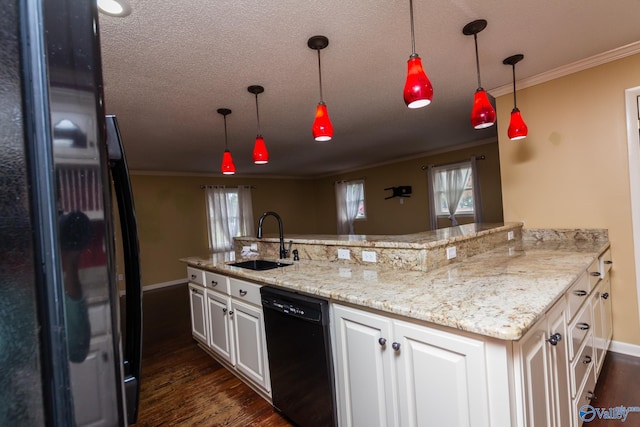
point(226, 315)
point(542, 367)
point(395, 373)
point(198, 312)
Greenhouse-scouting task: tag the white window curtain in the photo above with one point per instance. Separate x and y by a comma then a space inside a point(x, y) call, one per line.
point(348, 197)
point(446, 185)
point(229, 215)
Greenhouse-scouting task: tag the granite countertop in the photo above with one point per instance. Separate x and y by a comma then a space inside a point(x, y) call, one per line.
point(500, 293)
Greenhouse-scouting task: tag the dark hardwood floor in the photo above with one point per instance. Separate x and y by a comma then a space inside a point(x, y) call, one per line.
point(181, 384)
point(184, 386)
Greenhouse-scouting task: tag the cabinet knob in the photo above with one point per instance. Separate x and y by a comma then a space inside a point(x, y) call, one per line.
point(382, 341)
point(590, 395)
point(230, 312)
point(583, 326)
point(595, 273)
point(193, 277)
point(395, 346)
point(554, 339)
point(586, 360)
point(580, 293)
point(605, 295)
point(224, 310)
point(608, 261)
point(242, 293)
point(214, 283)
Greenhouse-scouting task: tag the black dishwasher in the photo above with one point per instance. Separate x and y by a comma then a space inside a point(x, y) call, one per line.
point(300, 363)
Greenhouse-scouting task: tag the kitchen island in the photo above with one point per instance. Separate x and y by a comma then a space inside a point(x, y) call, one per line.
point(505, 289)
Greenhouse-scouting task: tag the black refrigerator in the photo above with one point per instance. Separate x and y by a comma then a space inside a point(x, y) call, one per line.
point(65, 209)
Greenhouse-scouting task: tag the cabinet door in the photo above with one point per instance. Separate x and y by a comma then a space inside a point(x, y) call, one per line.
point(534, 365)
point(198, 313)
point(365, 380)
point(251, 354)
point(602, 321)
point(441, 378)
point(220, 336)
point(559, 364)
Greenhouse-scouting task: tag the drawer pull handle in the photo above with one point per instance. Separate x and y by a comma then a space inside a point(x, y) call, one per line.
point(586, 360)
point(583, 326)
point(555, 339)
point(580, 293)
point(605, 295)
point(590, 395)
point(193, 277)
point(395, 346)
point(595, 273)
point(382, 341)
point(608, 261)
point(242, 293)
point(214, 283)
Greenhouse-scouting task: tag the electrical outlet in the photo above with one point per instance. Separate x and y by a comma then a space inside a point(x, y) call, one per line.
point(344, 254)
point(368, 256)
point(509, 235)
point(254, 246)
point(451, 252)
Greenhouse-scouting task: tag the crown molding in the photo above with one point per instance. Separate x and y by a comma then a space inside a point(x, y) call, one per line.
point(574, 67)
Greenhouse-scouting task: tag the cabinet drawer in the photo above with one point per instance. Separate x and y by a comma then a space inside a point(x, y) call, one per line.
point(605, 263)
point(584, 396)
point(594, 273)
point(577, 295)
point(216, 282)
point(581, 365)
point(579, 328)
point(195, 275)
point(245, 291)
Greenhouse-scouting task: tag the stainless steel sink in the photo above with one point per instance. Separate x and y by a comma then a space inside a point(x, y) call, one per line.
point(259, 264)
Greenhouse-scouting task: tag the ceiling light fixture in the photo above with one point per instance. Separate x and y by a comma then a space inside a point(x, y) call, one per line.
point(517, 127)
point(260, 153)
point(322, 128)
point(482, 115)
point(118, 8)
point(228, 168)
point(418, 91)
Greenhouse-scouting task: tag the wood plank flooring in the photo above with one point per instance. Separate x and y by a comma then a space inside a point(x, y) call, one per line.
point(184, 386)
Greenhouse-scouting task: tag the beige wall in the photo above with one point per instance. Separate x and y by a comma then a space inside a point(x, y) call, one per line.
point(171, 209)
point(572, 170)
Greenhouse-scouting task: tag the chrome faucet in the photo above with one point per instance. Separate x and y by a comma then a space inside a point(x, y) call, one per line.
point(283, 252)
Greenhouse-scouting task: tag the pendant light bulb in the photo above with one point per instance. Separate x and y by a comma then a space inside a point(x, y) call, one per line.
point(260, 153)
point(517, 127)
point(418, 91)
point(227, 167)
point(483, 115)
point(322, 129)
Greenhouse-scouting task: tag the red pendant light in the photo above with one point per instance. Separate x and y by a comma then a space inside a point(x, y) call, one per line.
point(228, 167)
point(260, 153)
point(517, 127)
point(418, 91)
point(483, 114)
point(322, 128)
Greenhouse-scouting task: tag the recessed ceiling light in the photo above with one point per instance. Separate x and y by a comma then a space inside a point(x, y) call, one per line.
point(118, 8)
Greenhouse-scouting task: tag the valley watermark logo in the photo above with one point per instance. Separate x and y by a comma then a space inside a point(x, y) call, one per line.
point(589, 413)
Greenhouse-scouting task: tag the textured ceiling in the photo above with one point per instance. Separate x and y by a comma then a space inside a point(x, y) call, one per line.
point(170, 65)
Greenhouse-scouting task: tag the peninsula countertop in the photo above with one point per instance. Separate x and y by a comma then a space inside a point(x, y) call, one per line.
point(500, 293)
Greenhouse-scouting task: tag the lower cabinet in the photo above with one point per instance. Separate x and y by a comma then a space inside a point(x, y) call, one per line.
point(198, 312)
point(395, 373)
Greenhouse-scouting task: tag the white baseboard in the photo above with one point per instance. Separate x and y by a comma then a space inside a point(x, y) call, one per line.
point(159, 286)
point(624, 348)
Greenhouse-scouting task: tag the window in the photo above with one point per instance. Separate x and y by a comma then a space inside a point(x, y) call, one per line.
point(453, 183)
point(350, 204)
point(229, 215)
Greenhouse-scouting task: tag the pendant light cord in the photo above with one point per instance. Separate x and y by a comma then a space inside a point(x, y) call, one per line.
point(226, 145)
point(413, 39)
point(258, 116)
point(514, 85)
point(320, 76)
point(475, 39)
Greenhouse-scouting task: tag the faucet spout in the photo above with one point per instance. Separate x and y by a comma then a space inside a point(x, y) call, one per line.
point(283, 251)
